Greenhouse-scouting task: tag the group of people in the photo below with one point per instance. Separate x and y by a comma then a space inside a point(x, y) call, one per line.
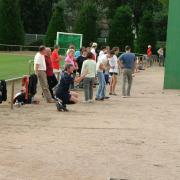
point(46, 66)
point(149, 57)
point(86, 67)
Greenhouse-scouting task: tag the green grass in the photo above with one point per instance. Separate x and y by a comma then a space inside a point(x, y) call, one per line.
point(12, 66)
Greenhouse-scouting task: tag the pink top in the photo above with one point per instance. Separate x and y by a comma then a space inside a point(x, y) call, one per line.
point(70, 60)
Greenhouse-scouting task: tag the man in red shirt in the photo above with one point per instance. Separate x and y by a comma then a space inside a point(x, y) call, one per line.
point(55, 58)
point(149, 56)
point(52, 81)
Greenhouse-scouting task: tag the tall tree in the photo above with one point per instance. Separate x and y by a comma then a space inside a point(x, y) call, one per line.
point(147, 33)
point(86, 23)
point(56, 24)
point(121, 32)
point(11, 28)
point(36, 15)
point(113, 6)
point(160, 22)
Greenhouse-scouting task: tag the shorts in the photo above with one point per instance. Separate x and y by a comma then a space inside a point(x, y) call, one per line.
point(106, 77)
point(113, 73)
point(64, 97)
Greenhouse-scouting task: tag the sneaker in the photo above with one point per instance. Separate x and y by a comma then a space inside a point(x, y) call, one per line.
point(51, 101)
point(99, 99)
point(85, 102)
point(59, 106)
point(114, 94)
point(106, 97)
point(124, 96)
point(65, 109)
point(91, 101)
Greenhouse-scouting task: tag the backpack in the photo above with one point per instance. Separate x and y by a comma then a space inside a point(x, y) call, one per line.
point(25, 97)
point(3, 91)
point(32, 87)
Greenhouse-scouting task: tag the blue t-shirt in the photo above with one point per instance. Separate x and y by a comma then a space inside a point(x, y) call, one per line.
point(128, 60)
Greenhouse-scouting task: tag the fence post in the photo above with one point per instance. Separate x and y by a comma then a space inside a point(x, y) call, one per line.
point(30, 64)
point(20, 48)
point(12, 94)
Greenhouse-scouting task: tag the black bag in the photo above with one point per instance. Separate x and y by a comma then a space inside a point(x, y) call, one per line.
point(32, 87)
point(32, 90)
point(3, 91)
point(19, 98)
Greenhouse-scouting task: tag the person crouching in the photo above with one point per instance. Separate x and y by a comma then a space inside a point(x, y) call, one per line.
point(63, 94)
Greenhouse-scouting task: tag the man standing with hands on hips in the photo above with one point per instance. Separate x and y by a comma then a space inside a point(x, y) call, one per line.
point(127, 63)
point(40, 71)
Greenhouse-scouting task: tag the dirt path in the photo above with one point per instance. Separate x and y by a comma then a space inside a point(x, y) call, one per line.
point(134, 139)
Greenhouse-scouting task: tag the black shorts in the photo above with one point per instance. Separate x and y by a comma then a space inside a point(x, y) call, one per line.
point(64, 97)
point(113, 73)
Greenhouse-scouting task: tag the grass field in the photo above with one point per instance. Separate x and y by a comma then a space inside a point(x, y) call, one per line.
point(15, 65)
point(12, 66)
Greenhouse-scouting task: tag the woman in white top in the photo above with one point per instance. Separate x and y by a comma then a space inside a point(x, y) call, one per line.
point(114, 69)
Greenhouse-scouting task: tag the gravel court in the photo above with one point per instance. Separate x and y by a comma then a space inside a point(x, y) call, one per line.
point(135, 139)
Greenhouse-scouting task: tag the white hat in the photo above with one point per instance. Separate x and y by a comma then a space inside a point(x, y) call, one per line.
point(149, 46)
point(94, 44)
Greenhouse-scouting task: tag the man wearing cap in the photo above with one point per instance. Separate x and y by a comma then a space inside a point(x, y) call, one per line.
point(149, 55)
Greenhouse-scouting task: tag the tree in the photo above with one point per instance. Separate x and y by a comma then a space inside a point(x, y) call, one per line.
point(86, 23)
point(11, 28)
point(36, 15)
point(121, 31)
point(139, 7)
point(160, 22)
point(147, 34)
point(113, 6)
point(56, 24)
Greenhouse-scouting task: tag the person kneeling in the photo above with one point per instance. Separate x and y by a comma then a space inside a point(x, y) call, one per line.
point(63, 94)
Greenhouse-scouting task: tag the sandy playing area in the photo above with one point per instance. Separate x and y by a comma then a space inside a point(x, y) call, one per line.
point(135, 139)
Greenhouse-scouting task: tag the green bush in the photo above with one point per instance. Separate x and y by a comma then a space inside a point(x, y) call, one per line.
point(121, 31)
point(11, 28)
point(146, 34)
point(56, 24)
point(86, 23)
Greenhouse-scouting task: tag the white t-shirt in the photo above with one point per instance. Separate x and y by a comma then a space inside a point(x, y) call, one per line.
point(161, 52)
point(113, 62)
point(101, 53)
point(101, 60)
point(40, 59)
point(93, 50)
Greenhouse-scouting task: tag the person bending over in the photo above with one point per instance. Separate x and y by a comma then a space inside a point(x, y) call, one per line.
point(63, 93)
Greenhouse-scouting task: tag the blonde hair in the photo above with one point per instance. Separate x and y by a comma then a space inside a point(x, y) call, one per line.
point(70, 50)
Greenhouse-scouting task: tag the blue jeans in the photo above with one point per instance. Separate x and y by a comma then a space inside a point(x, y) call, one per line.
point(102, 86)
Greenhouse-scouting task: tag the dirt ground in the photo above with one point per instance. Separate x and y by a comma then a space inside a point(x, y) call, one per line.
point(135, 139)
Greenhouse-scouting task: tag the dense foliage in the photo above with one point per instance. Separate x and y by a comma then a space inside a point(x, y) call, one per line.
point(11, 28)
point(93, 18)
point(121, 31)
point(147, 34)
point(56, 24)
point(86, 23)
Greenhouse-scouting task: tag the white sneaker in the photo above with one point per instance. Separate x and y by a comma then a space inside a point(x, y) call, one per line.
point(91, 101)
point(124, 96)
point(85, 102)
